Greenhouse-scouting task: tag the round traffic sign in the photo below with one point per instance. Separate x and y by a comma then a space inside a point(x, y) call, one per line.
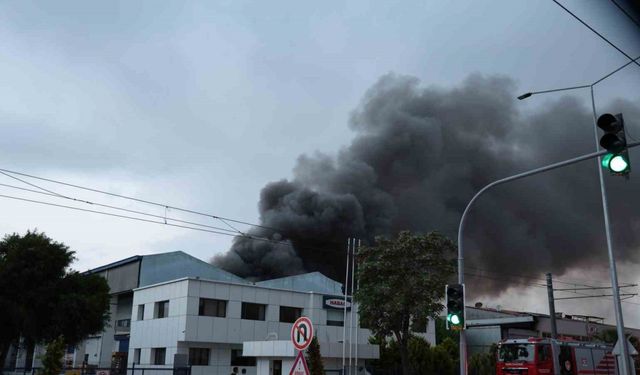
point(302, 333)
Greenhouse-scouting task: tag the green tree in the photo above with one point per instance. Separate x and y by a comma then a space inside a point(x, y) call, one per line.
point(42, 298)
point(52, 358)
point(423, 358)
point(482, 364)
point(314, 359)
point(401, 281)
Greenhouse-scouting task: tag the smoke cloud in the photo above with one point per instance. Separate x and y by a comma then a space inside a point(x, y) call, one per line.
point(418, 156)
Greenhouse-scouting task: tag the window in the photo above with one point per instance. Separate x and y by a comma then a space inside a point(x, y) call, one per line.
point(162, 309)
point(238, 360)
point(140, 312)
point(136, 356)
point(335, 318)
point(419, 324)
point(123, 323)
point(158, 355)
point(198, 357)
point(212, 307)
point(253, 311)
point(289, 314)
point(544, 353)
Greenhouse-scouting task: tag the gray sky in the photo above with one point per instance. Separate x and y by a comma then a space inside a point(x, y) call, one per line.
point(200, 105)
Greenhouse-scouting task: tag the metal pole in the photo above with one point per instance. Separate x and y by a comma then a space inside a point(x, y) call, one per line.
point(353, 268)
point(617, 305)
point(353, 307)
point(344, 316)
point(552, 307)
point(463, 346)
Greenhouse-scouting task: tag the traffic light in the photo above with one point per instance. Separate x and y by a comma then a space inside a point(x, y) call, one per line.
point(454, 295)
point(614, 141)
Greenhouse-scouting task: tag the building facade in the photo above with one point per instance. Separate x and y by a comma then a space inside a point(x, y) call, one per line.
point(171, 310)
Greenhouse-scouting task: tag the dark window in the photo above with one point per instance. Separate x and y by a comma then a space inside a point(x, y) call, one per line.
point(198, 357)
point(162, 309)
point(159, 355)
point(289, 314)
point(335, 318)
point(544, 353)
point(419, 324)
point(253, 311)
point(140, 312)
point(238, 360)
point(123, 323)
point(136, 356)
point(212, 307)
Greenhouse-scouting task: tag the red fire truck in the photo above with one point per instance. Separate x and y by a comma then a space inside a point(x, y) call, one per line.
point(554, 357)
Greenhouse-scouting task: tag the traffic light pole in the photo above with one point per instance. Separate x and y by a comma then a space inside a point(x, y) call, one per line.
point(613, 273)
point(463, 339)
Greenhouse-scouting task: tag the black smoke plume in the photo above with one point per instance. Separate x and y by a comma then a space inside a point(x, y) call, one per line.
point(418, 156)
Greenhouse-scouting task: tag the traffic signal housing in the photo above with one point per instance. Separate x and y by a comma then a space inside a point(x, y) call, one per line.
point(614, 140)
point(454, 296)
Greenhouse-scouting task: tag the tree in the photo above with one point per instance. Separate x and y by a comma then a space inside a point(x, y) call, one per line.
point(42, 298)
point(401, 282)
point(314, 359)
point(423, 358)
point(52, 358)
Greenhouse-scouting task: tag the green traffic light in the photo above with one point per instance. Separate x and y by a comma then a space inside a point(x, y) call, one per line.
point(618, 164)
point(454, 319)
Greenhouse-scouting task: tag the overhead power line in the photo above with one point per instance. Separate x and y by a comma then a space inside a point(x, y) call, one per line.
point(118, 208)
point(596, 32)
point(541, 278)
point(134, 199)
point(626, 13)
point(165, 220)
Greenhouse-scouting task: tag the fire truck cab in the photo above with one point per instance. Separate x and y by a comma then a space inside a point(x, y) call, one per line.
point(535, 356)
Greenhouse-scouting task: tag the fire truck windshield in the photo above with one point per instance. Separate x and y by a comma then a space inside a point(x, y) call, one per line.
point(516, 353)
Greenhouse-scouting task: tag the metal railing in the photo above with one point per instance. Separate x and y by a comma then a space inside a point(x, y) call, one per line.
point(91, 370)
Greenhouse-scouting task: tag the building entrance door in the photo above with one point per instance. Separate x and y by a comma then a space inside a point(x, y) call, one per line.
point(276, 367)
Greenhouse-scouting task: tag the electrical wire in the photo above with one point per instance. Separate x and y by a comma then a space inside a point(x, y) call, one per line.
point(211, 229)
point(137, 200)
point(626, 13)
point(596, 32)
point(542, 278)
point(501, 277)
point(117, 208)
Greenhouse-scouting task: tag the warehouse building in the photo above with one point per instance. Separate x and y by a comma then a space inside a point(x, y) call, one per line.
point(487, 326)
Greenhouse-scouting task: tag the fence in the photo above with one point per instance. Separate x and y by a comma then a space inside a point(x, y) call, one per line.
point(89, 370)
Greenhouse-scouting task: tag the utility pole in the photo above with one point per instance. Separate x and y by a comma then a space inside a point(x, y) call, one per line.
point(552, 307)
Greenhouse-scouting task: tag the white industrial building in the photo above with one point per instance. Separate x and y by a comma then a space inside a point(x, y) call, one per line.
point(171, 309)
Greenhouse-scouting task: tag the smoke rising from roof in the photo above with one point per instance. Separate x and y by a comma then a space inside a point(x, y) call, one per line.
point(418, 156)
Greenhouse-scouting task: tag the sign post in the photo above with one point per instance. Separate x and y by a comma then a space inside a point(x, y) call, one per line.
point(301, 336)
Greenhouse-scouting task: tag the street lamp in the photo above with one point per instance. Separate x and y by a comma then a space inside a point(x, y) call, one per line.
point(613, 163)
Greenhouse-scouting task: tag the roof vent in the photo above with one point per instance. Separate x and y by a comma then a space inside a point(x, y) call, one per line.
point(478, 304)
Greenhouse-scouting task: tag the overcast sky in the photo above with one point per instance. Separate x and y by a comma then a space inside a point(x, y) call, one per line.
point(200, 105)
